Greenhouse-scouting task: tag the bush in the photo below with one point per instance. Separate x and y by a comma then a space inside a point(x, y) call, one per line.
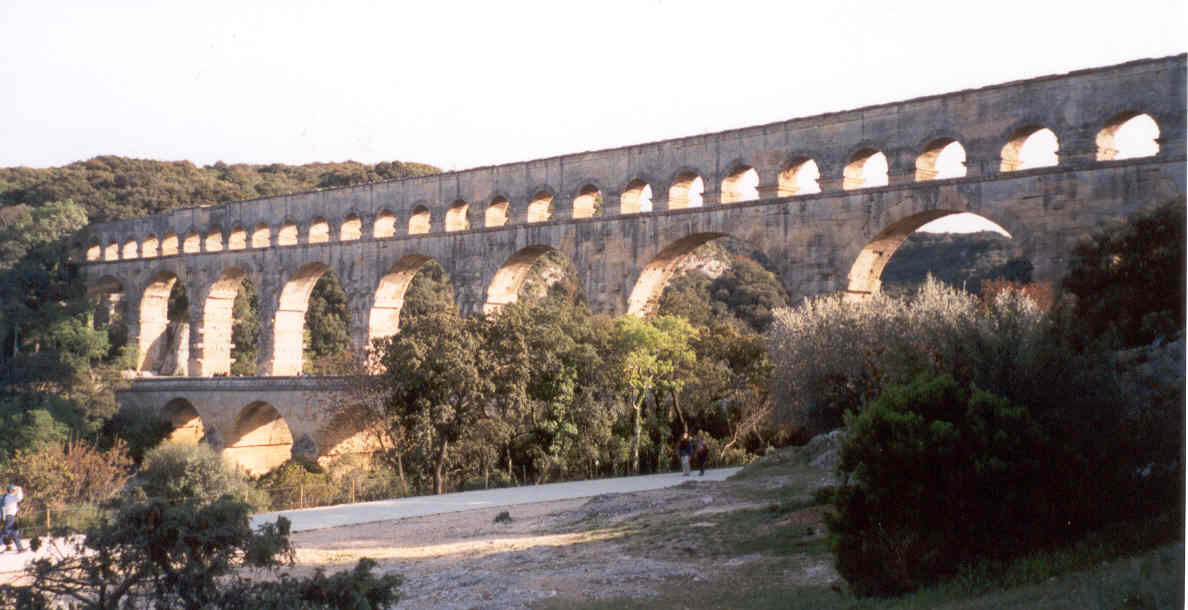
point(1129, 280)
point(831, 355)
point(70, 473)
point(934, 475)
point(177, 471)
point(294, 485)
point(175, 554)
point(938, 474)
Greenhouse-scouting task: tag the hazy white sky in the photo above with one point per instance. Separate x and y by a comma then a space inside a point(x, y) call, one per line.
point(463, 84)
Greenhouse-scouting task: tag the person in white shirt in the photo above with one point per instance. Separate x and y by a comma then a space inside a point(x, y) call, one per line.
point(9, 504)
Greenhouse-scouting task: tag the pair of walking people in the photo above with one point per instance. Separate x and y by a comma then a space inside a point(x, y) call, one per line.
point(692, 451)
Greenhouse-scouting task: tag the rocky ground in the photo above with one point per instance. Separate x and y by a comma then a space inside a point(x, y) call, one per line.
point(611, 546)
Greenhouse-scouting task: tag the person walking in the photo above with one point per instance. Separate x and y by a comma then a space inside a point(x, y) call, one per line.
point(701, 455)
point(8, 508)
point(685, 451)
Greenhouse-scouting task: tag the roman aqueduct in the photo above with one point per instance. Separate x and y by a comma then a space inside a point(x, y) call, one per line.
point(799, 191)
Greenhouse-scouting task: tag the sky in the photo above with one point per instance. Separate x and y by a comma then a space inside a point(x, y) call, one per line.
point(467, 84)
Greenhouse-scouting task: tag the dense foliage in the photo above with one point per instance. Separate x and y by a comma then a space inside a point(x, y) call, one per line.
point(969, 260)
point(170, 554)
point(976, 429)
point(113, 188)
point(1129, 280)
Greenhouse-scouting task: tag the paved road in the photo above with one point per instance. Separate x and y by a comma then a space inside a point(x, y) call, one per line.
point(12, 563)
point(383, 510)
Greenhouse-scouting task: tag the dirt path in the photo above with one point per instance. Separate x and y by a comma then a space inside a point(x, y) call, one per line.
point(581, 549)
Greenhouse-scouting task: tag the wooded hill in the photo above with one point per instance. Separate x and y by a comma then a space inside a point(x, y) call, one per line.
point(115, 188)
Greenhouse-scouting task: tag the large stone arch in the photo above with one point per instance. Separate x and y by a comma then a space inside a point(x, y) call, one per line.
point(153, 319)
point(649, 285)
point(185, 421)
point(344, 435)
point(260, 439)
point(384, 319)
point(900, 221)
point(108, 295)
point(216, 324)
point(288, 326)
point(504, 286)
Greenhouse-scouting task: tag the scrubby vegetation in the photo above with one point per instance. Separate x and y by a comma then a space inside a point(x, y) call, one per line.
point(982, 430)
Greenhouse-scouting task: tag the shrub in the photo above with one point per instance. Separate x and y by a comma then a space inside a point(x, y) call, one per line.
point(937, 474)
point(174, 554)
point(177, 471)
point(1129, 280)
point(59, 475)
point(294, 485)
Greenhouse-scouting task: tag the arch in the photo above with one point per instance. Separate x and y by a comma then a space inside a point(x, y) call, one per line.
point(214, 240)
point(319, 231)
point(237, 240)
point(456, 218)
point(352, 228)
point(192, 243)
point(129, 250)
point(865, 273)
point(343, 435)
point(149, 248)
point(686, 191)
point(108, 295)
point(261, 236)
point(540, 207)
point(505, 285)
point(645, 294)
point(942, 158)
point(260, 439)
point(112, 252)
point(287, 235)
point(636, 198)
point(184, 420)
point(169, 244)
point(420, 221)
point(384, 319)
point(588, 202)
point(154, 320)
point(740, 184)
point(94, 252)
point(385, 225)
point(799, 176)
point(217, 322)
point(288, 327)
point(866, 168)
point(1029, 147)
point(497, 212)
point(1129, 135)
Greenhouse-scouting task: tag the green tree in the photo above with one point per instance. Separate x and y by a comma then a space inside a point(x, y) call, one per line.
point(178, 472)
point(1129, 279)
point(439, 383)
point(655, 357)
point(327, 323)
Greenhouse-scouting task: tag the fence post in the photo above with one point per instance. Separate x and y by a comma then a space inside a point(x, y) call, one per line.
point(301, 496)
point(47, 520)
point(352, 490)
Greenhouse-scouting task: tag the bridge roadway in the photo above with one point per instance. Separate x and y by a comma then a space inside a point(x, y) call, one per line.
point(400, 508)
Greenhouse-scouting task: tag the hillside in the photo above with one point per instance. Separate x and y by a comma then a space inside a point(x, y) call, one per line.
point(957, 259)
point(114, 188)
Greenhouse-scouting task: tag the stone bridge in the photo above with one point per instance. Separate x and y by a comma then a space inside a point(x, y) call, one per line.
point(800, 191)
point(257, 422)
